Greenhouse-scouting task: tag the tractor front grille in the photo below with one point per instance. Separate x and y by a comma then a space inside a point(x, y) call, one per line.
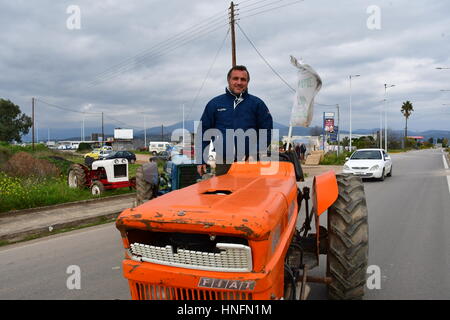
point(120, 170)
point(232, 257)
point(145, 291)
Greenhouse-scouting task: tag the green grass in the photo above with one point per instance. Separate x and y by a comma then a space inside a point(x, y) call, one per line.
point(141, 152)
point(24, 193)
point(333, 159)
point(17, 194)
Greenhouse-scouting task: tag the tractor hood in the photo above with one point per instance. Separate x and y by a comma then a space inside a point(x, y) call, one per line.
point(244, 202)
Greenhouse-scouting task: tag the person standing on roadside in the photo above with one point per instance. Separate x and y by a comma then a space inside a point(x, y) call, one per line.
point(235, 109)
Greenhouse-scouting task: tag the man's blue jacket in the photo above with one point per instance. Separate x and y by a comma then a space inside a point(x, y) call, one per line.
point(229, 111)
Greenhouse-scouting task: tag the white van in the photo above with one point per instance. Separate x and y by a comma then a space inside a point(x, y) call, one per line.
point(157, 147)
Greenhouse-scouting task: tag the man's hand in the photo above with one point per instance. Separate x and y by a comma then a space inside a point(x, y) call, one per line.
point(201, 169)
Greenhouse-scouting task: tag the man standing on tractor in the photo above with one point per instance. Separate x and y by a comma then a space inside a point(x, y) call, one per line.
point(235, 109)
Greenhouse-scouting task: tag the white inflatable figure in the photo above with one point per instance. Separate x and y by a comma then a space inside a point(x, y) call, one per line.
point(308, 85)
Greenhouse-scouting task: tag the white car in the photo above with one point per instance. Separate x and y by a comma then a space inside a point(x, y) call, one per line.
point(369, 163)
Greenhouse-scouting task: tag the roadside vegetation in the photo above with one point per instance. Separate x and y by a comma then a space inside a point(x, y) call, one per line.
point(38, 178)
point(331, 158)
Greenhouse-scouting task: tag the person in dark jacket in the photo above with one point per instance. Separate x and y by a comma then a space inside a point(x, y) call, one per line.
point(235, 109)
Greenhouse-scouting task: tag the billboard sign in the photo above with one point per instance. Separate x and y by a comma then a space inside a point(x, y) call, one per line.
point(328, 121)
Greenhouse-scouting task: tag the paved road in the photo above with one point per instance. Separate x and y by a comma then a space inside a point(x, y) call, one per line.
point(409, 219)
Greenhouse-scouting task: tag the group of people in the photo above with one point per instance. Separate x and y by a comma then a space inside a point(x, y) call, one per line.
point(300, 150)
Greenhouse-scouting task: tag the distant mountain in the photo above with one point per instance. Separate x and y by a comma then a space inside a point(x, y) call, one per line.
point(155, 132)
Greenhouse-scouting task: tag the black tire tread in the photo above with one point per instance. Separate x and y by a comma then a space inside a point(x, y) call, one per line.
point(348, 240)
point(80, 174)
point(144, 190)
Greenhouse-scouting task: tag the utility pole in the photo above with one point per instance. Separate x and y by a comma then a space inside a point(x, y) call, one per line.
point(233, 36)
point(103, 132)
point(145, 130)
point(183, 125)
point(162, 132)
point(32, 115)
point(339, 129)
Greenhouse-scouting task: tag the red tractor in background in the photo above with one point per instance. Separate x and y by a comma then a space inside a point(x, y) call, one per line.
point(101, 175)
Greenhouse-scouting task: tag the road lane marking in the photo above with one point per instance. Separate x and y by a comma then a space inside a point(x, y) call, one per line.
point(446, 168)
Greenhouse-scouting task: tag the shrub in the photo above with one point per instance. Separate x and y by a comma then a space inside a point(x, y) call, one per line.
point(23, 164)
point(84, 147)
point(5, 154)
point(331, 158)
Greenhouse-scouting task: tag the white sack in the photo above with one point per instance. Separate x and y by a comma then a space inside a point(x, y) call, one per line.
point(308, 85)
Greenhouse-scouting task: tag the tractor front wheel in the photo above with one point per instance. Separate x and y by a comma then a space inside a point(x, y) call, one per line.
point(348, 240)
point(97, 188)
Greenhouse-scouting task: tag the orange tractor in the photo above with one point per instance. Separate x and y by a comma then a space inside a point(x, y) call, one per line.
point(239, 236)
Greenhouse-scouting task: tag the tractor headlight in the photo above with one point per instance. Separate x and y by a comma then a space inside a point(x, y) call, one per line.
point(375, 168)
point(124, 160)
point(116, 161)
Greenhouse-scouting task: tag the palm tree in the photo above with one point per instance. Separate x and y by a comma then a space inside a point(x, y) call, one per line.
point(407, 109)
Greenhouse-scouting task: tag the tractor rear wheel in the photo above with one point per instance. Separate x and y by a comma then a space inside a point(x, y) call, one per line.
point(348, 240)
point(144, 189)
point(76, 177)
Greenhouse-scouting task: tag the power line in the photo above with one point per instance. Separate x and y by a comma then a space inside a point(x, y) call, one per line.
point(209, 71)
point(264, 11)
point(249, 5)
point(167, 48)
point(170, 48)
point(326, 105)
point(264, 59)
point(172, 38)
point(65, 108)
point(159, 48)
point(263, 6)
point(121, 122)
point(245, 1)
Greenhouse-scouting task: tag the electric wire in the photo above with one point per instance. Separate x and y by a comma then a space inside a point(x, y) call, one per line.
point(209, 71)
point(167, 49)
point(326, 105)
point(170, 48)
point(238, 5)
point(271, 9)
point(173, 43)
point(172, 38)
point(65, 108)
point(83, 112)
point(263, 6)
point(264, 59)
point(162, 48)
point(123, 123)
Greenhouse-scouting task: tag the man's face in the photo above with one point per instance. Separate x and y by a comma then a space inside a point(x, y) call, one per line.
point(238, 81)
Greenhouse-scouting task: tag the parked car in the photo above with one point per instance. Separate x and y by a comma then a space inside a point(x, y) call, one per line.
point(130, 156)
point(158, 146)
point(97, 153)
point(164, 155)
point(369, 163)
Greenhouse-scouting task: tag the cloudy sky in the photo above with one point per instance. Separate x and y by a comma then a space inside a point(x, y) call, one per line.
point(139, 62)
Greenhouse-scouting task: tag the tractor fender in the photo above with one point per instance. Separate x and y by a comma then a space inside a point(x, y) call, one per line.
point(325, 191)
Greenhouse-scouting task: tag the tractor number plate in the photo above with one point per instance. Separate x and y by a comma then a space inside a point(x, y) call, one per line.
point(226, 284)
